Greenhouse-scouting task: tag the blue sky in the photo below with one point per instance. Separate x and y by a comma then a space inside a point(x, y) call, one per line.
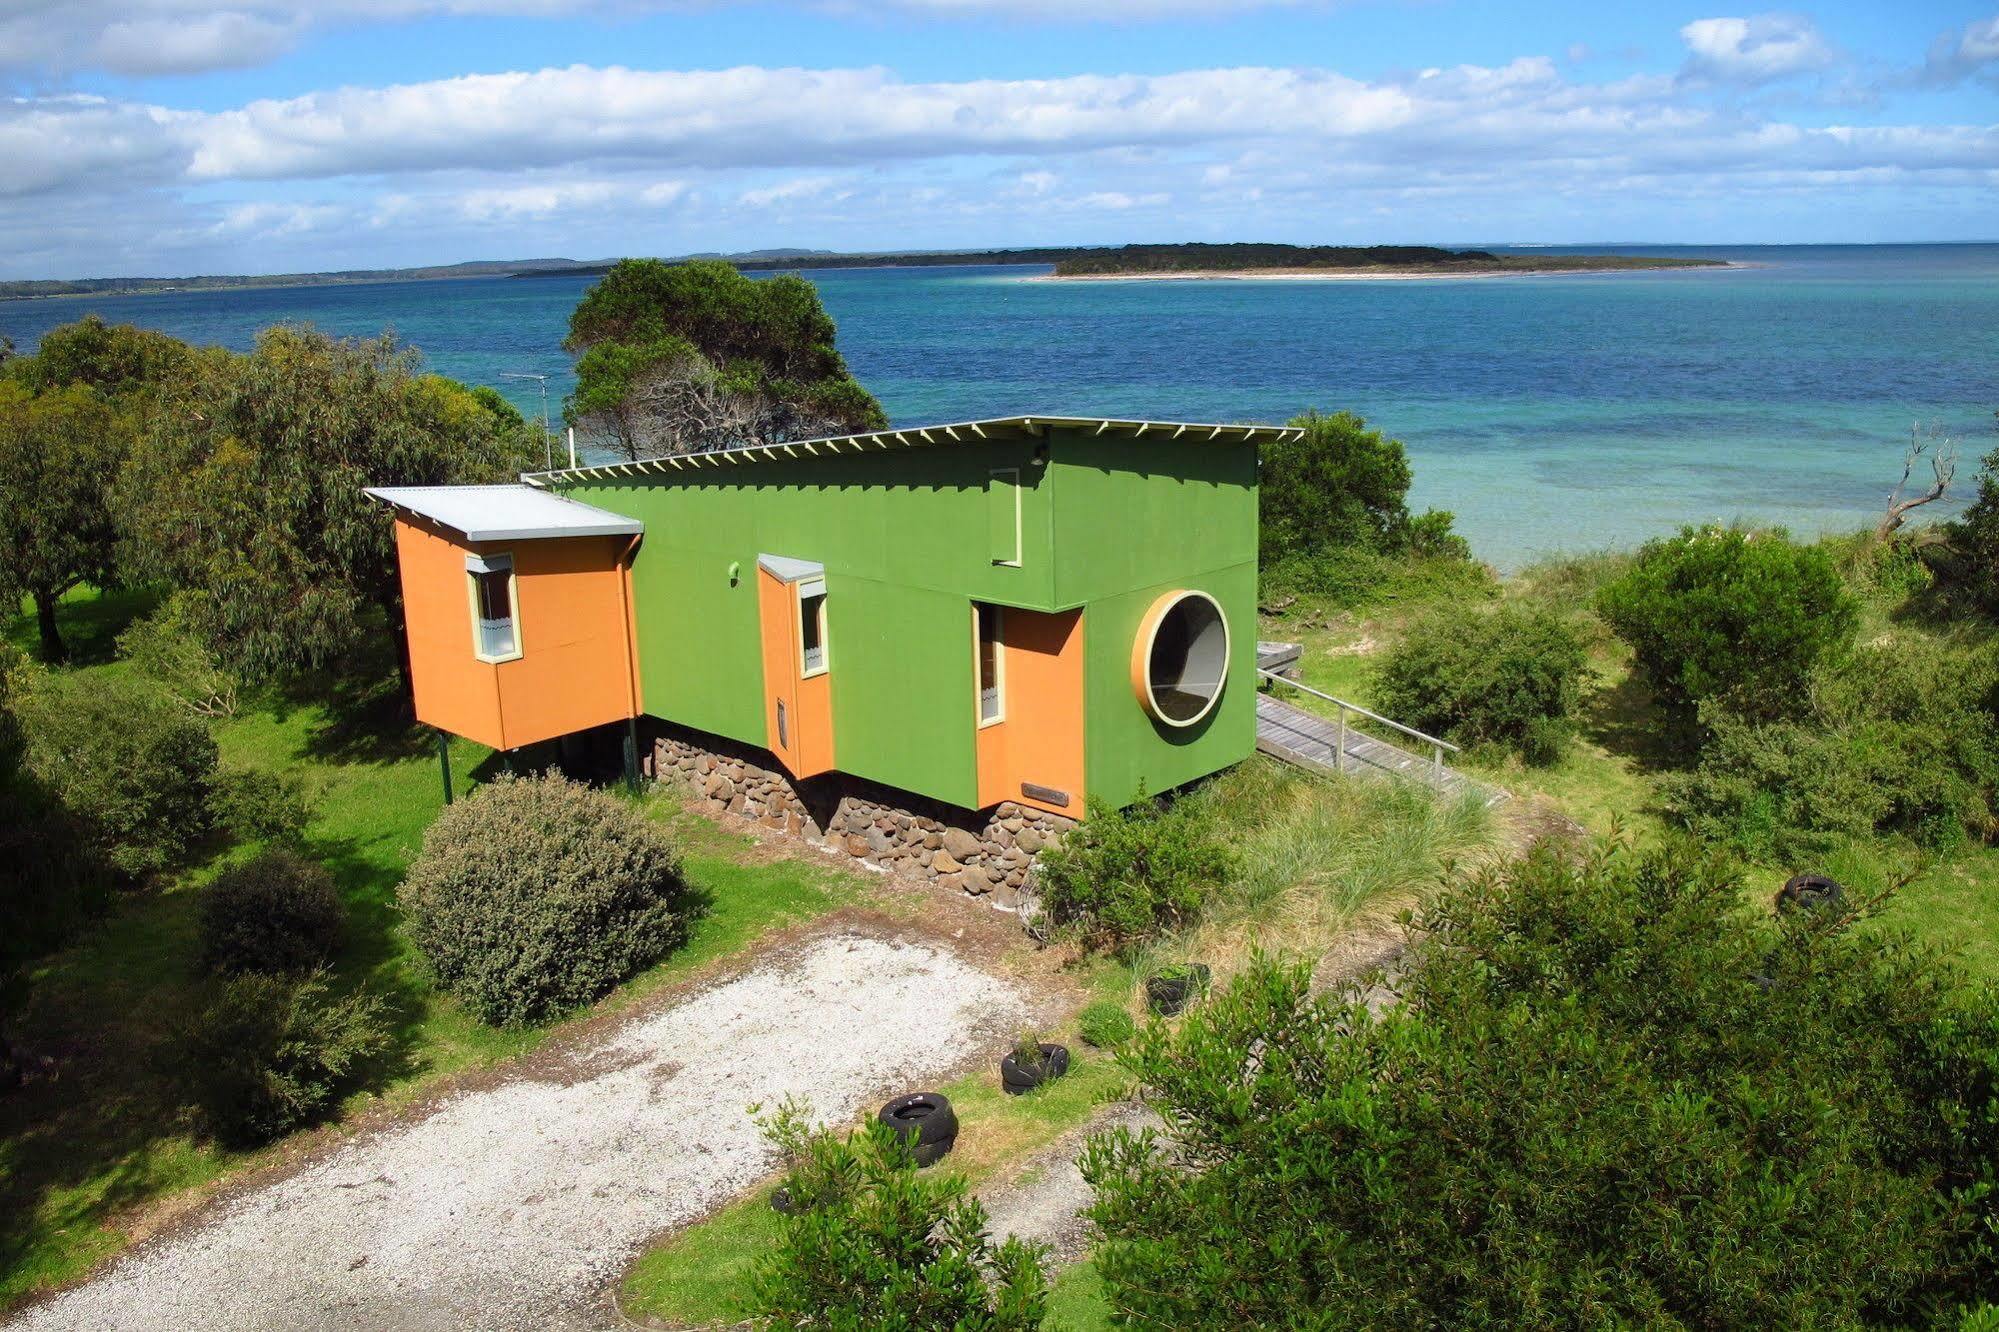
point(177, 136)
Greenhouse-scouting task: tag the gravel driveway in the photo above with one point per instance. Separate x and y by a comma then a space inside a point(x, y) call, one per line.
point(514, 1205)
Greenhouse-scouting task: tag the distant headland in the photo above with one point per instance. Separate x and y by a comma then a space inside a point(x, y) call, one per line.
point(1343, 261)
point(1191, 260)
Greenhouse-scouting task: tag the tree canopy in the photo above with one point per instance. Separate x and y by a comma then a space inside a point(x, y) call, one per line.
point(58, 452)
point(247, 492)
point(681, 358)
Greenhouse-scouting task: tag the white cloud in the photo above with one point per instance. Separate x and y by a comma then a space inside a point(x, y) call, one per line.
point(1960, 55)
point(1754, 50)
point(622, 159)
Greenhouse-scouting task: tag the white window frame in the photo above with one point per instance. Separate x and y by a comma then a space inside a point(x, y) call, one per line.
point(999, 664)
point(801, 591)
point(472, 577)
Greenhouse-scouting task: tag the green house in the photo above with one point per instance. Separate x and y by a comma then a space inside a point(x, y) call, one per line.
point(1030, 609)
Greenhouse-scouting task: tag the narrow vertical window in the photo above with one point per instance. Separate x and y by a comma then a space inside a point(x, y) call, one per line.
point(992, 665)
point(1003, 515)
point(812, 627)
point(494, 637)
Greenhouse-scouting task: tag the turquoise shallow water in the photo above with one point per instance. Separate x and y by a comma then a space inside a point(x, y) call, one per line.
point(1550, 413)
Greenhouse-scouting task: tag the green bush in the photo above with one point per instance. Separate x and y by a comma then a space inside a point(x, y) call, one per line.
point(1898, 738)
point(875, 1243)
point(1971, 554)
point(167, 647)
point(1121, 877)
point(1718, 613)
point(267, 1054)
point(1346, 576)
point(1512, 677)
point(1613, 1095)
point(125, 759)
point(276, 912)
point(259, 806)
point(536, 894)
point(1107, 1025)
point(1340, 484)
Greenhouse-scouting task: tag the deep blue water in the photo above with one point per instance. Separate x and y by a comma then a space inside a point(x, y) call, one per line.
point(1550, 413)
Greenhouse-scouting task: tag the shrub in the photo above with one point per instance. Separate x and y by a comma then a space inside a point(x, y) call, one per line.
point(875, 1243)
point(1340, 484)
point(267, 1054)
point(1346, 576)
point(1899, 738)
point(536, 894)
point(1724, 614)
point(1512, 677)
point(259, 806)
point(1107, 1025)
point(1123, 876)
point(166, 647)
point(127, 760)
point(1972, 551)
point(274, 913)
point(1613, 1095)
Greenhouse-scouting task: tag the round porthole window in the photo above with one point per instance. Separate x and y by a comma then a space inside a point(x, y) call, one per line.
point(1181, 658)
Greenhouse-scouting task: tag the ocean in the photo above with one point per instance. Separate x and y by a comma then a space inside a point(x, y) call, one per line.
point(1549, 413)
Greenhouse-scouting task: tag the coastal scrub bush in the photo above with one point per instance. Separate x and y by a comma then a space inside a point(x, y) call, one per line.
point(872, 1242)
point(1122, 877)
point(255, 804)
point(1719, 613)
point(267, 1054)
point(1971, 551)
point(1341, 484)
point(1510, 677)
point(276, 912)
point(535, 894)
point(1899, 738)
point(1583, 1033)
point(1107, 1025)
point(166, 647)
point(126, 760)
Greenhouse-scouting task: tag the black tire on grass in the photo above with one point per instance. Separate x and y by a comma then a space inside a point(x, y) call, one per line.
point(925, 1121)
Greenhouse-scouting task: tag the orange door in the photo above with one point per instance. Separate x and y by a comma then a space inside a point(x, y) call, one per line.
point(780, 656)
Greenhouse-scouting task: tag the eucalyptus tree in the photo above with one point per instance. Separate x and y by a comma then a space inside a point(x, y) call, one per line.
point(248, 490)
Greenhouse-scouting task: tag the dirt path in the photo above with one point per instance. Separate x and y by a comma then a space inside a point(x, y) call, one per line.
point(514, 1204)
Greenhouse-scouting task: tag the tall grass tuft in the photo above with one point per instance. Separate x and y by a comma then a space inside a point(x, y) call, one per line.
point(1314, 854)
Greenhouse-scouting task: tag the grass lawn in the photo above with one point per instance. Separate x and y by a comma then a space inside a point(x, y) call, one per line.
point(700, 1276)
point(81, 1152)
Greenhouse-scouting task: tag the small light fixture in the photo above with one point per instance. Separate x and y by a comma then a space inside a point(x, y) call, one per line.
point(1041, 454)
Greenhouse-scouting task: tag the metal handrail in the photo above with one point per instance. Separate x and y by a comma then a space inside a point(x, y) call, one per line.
point(1437, 745)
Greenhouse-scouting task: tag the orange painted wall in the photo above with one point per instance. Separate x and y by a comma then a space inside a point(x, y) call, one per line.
point(577, 664)
point(455, 691)
point(808, 702)
point(1040, 739)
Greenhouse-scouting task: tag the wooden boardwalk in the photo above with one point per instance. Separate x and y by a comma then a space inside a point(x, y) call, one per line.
point(1310, 741)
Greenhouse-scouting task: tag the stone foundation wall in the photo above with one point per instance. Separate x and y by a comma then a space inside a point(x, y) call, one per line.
point(990, 856)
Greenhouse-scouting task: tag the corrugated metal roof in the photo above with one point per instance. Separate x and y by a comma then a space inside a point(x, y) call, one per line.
point(506, 513)
point(957, 432)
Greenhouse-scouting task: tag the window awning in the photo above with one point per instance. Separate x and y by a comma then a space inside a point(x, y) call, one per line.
point(506, 513)
point(787, 570)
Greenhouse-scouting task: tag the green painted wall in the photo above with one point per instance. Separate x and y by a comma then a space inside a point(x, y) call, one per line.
point(1134, 519)
point(908, 538)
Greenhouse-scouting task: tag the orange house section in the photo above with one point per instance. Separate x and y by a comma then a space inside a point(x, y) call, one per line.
point(572, 619)
point(1034, 753)
point(798, 709)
